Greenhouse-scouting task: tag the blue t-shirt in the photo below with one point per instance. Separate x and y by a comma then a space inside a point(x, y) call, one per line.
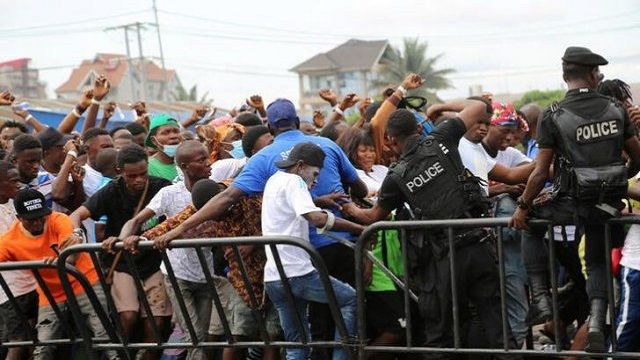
point(336, 170)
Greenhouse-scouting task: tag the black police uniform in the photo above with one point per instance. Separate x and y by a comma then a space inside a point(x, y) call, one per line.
point(586, 131)
point(430, 177)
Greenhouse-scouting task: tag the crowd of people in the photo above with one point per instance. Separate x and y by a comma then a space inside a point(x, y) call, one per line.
point(162, 179)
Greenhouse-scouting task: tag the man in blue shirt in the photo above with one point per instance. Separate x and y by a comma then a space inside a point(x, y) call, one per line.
point(337, 170)
point(284, 124)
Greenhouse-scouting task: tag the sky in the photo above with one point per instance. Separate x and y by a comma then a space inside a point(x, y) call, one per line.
point(234, 49)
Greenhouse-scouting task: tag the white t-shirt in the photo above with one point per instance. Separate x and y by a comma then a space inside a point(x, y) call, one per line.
point(285, 199)
point(373, 179)
point(511, 157)
point(476, 160)
point(169, 201)
point(631, 249)
point(226, 168)
point(90, 184)
point(20, 281)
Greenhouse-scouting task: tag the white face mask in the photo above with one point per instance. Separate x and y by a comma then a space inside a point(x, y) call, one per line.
point(169, 150)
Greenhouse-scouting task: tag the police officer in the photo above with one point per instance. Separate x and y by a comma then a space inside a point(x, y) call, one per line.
point(586, 132)
point(430, 177)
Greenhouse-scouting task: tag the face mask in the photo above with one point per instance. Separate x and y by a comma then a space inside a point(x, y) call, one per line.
point(169, 150)
point(237, 152)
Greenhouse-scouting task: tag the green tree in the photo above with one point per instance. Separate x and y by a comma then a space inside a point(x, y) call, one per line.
point(396, 64)
point(540, 97)
point(181, 94)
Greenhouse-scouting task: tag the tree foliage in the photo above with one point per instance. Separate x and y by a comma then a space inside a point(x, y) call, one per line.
point(543, 98)
point(181, 94)
point(396, 64)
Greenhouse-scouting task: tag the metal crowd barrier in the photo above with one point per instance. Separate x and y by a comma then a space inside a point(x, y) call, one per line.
point(111, 322)
point(112, 325)
point(449, 225)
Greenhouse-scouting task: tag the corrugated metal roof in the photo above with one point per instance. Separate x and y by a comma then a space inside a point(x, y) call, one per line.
point(51, 112)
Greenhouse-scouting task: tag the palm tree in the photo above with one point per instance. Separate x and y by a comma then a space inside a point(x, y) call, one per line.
point(181, 94)
point(397, 64)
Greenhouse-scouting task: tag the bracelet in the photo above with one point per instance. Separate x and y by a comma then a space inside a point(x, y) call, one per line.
point(338, 110)
point(76, 113)
point(73, 154)
point(402, 90)
point(80, 109)
point(331, 219)
point(28, 117)
point(95, 102)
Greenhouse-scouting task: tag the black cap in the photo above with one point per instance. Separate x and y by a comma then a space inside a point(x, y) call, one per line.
point(583, 56)
point(51, 137)
point(30, 204)
point(308, 152)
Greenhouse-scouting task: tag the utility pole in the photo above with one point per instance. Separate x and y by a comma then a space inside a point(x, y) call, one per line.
point(165, 87)
point(142, 66)
point(129, 64)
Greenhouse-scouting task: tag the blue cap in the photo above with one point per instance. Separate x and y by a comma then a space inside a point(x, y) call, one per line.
point(281, 113)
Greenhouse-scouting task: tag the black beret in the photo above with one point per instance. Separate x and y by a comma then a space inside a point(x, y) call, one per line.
point(583, 56)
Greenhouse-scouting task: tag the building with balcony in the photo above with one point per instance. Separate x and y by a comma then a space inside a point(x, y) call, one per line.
point(347, 68)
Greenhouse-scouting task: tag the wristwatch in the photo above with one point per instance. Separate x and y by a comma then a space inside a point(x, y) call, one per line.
point(523, 205)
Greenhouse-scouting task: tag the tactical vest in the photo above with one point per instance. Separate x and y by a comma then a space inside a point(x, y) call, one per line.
point(591, 166)
point(436, 185)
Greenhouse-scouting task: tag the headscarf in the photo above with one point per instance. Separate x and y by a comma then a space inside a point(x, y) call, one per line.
point(504, 115)
point(212, 137)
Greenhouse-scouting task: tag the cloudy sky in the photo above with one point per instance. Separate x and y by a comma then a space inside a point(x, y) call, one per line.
point(233, 49)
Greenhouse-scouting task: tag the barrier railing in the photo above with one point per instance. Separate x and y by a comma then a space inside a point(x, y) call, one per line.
point(110, 320)
point(115, 341)
point(403, 227)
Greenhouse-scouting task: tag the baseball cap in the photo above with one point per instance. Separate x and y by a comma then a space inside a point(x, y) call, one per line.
point(583, 56)
point(281, 112)
point(30, 204)
point(156, 122)
point(51, 137)
point(308, 152)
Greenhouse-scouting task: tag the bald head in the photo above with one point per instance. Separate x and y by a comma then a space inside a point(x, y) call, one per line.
point(188, 149)
point(532, 112)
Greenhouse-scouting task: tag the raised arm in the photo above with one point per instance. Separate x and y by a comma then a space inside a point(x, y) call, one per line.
point(69, 122)
point(380, 119)
point(100, 90)
point(470, 111)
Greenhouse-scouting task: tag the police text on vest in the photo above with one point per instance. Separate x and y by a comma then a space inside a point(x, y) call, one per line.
point(596, 130)
point(425, 177)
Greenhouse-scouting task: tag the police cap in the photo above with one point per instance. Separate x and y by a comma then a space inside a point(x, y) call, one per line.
point(583, 56)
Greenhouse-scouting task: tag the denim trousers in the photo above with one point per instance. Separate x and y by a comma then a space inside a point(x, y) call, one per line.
point(307, 288)
point(514, 271)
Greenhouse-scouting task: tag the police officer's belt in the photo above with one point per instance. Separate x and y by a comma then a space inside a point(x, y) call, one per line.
point(467, 238)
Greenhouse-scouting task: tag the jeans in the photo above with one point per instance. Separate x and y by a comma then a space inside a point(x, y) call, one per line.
point(49, 326)
point(628, 319)
point(197, 300)
point(307, 288)
point(514, 271)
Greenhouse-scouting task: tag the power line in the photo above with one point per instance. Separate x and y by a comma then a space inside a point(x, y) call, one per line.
point(495, 35)
point(64, 24)
point(237, 72)
point(244, 38)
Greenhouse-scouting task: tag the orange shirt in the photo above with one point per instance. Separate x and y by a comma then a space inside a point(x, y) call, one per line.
point(18, 245)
